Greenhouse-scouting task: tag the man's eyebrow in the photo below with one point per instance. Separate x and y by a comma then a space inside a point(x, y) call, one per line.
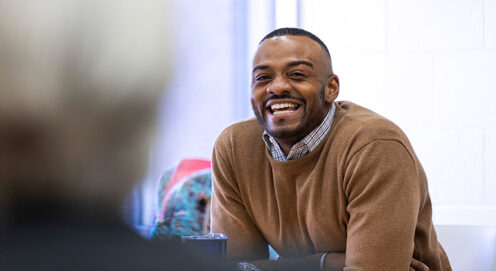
point(291, 64)
point(300, 62)
point(260, 67)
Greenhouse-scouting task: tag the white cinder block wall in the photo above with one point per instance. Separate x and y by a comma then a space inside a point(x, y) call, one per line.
point(430, 66)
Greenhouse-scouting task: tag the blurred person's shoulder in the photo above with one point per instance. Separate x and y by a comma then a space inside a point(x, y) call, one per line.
point(92, 246)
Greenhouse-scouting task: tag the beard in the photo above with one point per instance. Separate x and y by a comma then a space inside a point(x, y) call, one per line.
point(286, 133)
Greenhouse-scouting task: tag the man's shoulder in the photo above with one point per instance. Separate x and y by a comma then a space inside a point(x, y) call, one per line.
point(243, 132)
point(250, 123)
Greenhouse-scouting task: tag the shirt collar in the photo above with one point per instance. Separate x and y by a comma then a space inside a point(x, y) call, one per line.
point(305, 145)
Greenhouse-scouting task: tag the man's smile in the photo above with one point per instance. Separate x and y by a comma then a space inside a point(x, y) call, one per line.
point(282, 108)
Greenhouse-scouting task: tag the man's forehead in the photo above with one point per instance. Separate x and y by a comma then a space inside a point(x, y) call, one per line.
point(296, 47)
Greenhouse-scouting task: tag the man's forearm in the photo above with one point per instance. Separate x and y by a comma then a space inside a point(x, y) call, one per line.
point(333, 262)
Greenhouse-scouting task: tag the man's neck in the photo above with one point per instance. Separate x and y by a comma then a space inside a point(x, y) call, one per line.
point(287, 143)
point(290, 148)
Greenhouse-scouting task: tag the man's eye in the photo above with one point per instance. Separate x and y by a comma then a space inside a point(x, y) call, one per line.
point(296, 74)
point(262, 77)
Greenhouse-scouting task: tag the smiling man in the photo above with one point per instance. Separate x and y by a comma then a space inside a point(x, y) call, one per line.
point(329, 185)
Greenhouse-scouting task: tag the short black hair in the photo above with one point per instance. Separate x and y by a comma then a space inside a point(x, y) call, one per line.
point(292, 31)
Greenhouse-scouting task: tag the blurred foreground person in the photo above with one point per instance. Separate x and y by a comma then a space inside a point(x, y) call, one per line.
point(79, 86)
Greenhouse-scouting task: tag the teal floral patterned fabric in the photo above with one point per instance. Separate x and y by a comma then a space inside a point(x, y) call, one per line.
point(187, 208)
point(187, 204)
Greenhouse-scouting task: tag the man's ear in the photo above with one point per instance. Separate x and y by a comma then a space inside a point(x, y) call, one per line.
point(332, 88)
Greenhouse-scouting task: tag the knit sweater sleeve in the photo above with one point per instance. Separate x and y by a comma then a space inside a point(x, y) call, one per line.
point(229, 215)
point(383, 190)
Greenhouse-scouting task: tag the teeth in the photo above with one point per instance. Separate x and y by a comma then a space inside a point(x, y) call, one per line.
point(282, 105)
point(281, 112)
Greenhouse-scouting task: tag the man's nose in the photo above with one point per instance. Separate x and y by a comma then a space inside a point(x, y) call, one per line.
point(279, 86)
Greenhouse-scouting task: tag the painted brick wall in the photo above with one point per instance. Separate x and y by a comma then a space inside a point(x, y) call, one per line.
point(430, 66)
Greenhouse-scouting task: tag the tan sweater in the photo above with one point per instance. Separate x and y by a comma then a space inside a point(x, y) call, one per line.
point(361, 191)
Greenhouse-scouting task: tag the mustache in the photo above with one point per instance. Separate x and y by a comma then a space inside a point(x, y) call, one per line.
point(283, 96)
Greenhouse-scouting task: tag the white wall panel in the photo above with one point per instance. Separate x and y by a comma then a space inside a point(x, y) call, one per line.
point(490, 23)
point(466, 87)
point(408, 93)
point(464, 215)
point(453, 162)
point(435, 25)
point(490, 166)
point(347, 25)
point(361, 77)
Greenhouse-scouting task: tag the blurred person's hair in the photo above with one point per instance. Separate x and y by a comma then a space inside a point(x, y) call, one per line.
point(80, 82)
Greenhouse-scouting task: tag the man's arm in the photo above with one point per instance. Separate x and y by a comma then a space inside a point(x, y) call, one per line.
point(382, 185)
point(245, 242)
point(229, 216)
point(333, 262)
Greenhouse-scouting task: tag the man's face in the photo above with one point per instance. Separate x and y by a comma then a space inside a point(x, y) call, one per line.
point(292, 86)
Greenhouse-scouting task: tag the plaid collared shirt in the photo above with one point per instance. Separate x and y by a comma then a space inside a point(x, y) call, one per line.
point(304, 146)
